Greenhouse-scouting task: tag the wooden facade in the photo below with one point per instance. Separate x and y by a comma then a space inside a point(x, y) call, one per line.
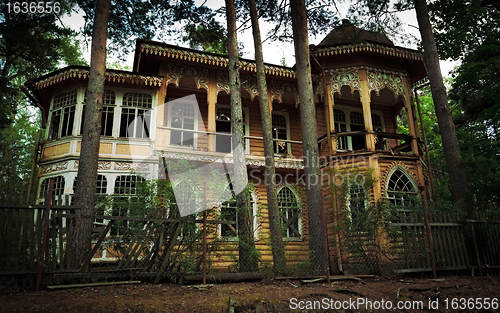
point(362, 82)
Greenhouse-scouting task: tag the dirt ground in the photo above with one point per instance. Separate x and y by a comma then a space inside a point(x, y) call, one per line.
point(447, 294)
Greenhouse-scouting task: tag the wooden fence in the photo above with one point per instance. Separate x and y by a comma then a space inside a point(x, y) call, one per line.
point(146, 254)
point(457, 244)
point(21, 238)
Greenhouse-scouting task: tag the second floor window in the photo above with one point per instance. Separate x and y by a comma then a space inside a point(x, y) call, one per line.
point(63, 115)
point(136, 115)
point(357, 124)
point(183, 118)
point(280, 131)
point(223, 143)
point(340, 127)
point(108, 112)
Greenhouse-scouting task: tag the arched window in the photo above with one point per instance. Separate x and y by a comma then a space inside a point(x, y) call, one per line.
point(290, 213)
point(401, 189)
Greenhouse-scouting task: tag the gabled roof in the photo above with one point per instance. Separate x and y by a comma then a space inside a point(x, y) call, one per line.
point(158, 49)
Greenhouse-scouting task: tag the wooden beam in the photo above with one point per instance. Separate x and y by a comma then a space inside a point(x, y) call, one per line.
point(94, 284)
point(367, 113)
point(212, 101)
point(409, 115)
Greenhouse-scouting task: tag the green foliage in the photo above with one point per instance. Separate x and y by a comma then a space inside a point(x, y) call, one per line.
point(31, 45)
point(146, 19)
point(210, 38)
point(321, 18)
point(380, 16)
point(460, 26)
point(474, 38)
point(362, 222)
point(16, 155)
point(479, 142)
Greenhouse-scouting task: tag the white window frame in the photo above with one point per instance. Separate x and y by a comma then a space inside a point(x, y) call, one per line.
point(288, 136)
point(246, 124)
point(149, 110)
point(170, 104)
point(390, 195)
point(56, 195)
point(81, 111)
point(347, 112)
point(62, 109)
point(138, 179)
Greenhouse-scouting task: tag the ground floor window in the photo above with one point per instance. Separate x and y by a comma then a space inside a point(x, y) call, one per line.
point(229, 211)
point(401, 189)
point(57, 194)
point(357, 207)
point(290, 213)
point(128, 200)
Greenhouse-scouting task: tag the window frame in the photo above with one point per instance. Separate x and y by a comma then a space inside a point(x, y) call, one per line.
point(246, 125)
point(147, 111)
point(347, 113)
point(105, 106)
point(299, 218)
point(253, 203)
point(63, 111)
point(57, 193)
point(364, 193)
point(138, 179)
point(170, 105)
point(288, 135)
point(391, 194)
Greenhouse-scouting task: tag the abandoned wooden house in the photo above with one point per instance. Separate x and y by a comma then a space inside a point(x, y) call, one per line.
point(362, 82)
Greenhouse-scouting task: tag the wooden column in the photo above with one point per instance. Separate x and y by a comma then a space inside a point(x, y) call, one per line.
point(330, 122)
point(409, 116)
point(162, 134)
point(270, 100)
point(367, 112)
point(212, 101)
point(377, 176)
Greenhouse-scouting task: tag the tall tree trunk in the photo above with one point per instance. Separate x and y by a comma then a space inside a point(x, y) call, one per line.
point(247, 253)
point(309, 137)
point(278, 250)
point(456, 171)
point(89, 154)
